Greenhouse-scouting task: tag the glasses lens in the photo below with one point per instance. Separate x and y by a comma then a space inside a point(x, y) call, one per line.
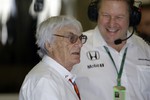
point(73, 38)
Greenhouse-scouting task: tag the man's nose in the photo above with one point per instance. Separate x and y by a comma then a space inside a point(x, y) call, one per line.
point(112, 22)
point(79, 43)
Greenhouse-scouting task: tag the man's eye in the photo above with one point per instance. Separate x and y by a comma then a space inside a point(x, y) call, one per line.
point(120, 17)
point(72, 37)
point(105, 15)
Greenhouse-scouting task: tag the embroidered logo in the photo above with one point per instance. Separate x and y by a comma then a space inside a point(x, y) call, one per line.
point(93, 55)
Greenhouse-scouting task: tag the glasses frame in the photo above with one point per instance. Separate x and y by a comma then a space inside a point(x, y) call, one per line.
point(74, 38)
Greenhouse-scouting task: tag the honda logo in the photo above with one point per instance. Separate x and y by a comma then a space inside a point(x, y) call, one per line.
point(93, 55)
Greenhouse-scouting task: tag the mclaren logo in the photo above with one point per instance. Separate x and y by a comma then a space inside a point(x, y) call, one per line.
point(93, 55)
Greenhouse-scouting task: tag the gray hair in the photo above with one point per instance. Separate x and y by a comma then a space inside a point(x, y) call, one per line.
point(48, 27)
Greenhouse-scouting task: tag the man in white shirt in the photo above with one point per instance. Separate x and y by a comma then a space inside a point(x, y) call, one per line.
point(59, 40)
point(114, 66)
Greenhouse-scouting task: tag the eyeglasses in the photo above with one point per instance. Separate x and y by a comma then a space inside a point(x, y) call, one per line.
point(73, 38)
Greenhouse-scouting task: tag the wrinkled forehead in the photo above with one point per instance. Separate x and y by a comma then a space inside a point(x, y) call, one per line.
point(66, 30)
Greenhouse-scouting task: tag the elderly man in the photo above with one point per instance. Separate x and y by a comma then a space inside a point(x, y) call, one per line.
point(59, 40)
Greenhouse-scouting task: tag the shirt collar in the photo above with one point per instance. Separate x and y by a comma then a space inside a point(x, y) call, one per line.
point(59, 68)
point(130, 41)
point(98, 39)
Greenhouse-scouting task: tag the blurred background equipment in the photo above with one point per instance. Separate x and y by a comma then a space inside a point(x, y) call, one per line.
point(7, 9)
point(143, 29)
point(42, 9)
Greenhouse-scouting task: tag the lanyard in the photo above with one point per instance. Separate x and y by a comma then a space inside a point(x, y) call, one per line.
point(121, 66)
point(75, 88)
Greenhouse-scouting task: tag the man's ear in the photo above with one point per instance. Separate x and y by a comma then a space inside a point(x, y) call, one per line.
point(48, 47)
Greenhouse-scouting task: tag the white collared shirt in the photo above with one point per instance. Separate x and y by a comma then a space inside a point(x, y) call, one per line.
point(48, 80)
point(96, 74)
